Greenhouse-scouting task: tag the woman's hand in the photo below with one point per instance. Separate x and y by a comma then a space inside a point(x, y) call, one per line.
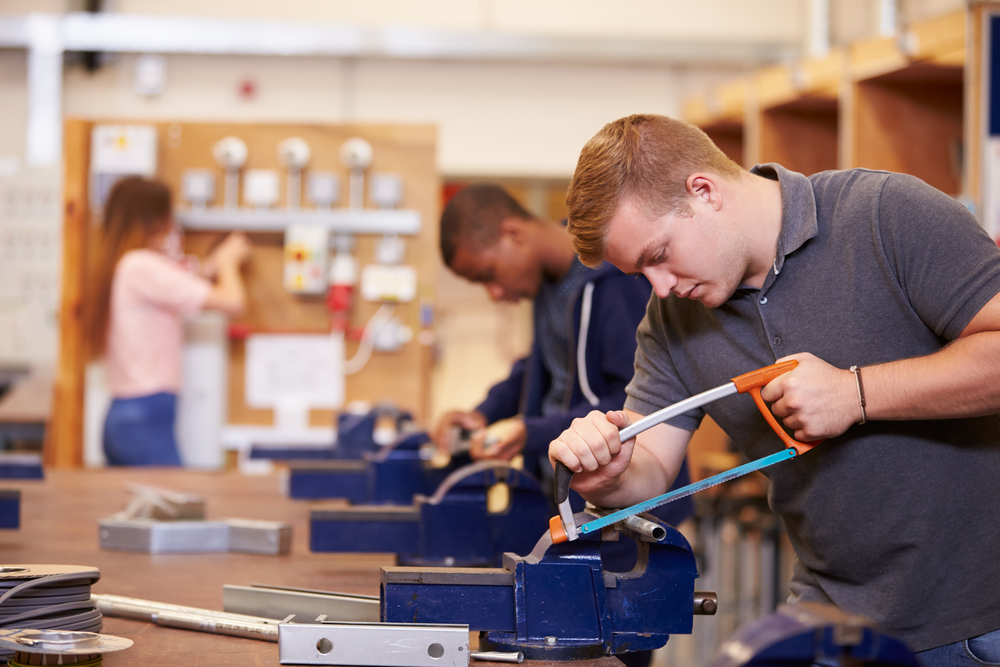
point(233, 251)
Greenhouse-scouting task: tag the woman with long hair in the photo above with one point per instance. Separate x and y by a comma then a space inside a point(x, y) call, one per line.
point(142, 295)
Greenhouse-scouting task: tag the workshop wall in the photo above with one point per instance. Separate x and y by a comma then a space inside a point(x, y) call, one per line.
point(14, 110)
point(765, 20)
point(539, 116)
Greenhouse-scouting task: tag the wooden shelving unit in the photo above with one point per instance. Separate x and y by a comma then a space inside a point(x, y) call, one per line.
point(798, 114)
point(906, 103)
point(889, 103)
point(720, 114)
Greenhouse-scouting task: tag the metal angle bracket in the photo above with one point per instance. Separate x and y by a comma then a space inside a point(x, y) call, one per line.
point(234, 535)
point(374, 644)
point(279, 602)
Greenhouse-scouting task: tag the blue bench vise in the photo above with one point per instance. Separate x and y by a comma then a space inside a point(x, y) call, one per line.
point(16, 465)
point(454, 526)
point(10, 508)
point(558, 603)
point(800, 634)
point(355, 438)
point(390, 476)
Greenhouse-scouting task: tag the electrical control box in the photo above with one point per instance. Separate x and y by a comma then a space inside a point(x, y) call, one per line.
point(306, 259)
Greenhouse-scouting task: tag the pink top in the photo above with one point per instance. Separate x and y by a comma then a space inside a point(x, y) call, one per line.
point(150, 296)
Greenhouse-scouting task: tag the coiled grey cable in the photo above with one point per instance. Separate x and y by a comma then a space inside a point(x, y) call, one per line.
point(48, 597)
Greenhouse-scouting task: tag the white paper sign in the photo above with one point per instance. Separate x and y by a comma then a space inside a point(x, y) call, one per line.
point(123, 149)
point(288, 368)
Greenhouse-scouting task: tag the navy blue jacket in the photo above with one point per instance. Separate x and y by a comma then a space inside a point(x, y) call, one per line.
point(606, 314)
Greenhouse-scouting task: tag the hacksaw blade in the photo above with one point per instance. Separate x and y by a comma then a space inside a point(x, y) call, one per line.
point(685, 491)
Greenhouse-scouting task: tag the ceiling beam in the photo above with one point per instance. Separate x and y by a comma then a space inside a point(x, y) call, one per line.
point(140, 33)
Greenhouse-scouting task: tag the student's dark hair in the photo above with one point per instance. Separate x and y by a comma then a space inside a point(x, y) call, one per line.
point(472, 218)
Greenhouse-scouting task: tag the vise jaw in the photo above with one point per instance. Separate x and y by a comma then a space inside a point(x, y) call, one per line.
point(558, 603)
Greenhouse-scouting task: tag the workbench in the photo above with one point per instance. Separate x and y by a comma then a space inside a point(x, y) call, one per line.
point(59, 526)
point(25, 409)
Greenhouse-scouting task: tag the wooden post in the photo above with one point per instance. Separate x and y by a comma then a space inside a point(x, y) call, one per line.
point(976, 95)
point(64, 446)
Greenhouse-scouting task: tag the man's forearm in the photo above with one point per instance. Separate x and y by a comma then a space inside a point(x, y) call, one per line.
point(645, 478)
point(961, 380)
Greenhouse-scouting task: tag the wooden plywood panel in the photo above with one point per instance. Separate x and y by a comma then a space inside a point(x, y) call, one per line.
point(710, 451)
point(557, 201)
point(720, 114)
point(800, 139)
point(775, 85)
point(402, 377)
point(729, 139)
point(912, 124)
point(729, 99)
point(873, 57)
point(822, 74)
point(941, 37)
point(781, 84)
point(940, 40)
point(696, 111)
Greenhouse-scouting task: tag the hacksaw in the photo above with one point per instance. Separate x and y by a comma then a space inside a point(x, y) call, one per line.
point(563, 527)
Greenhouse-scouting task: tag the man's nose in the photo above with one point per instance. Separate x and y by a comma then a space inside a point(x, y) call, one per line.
point(662, 282)
point(495, 291)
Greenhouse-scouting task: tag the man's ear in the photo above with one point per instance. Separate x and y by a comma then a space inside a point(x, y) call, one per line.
point(515, 229)
point(704, 188)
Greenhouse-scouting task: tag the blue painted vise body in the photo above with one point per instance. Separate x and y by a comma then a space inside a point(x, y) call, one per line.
point(452, 527)
point(355, 438)
point(10, 508)
point(16, 465)
point(391, 476)
point(557, 603)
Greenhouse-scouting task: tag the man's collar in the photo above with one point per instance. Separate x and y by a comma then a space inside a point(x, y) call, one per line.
point(798, 209)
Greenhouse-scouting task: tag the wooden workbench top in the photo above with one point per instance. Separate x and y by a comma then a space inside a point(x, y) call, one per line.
point(29, 401)
point(59, 526)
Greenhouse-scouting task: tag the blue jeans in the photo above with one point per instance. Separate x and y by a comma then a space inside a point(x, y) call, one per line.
point(140, 431)
point(981, 651)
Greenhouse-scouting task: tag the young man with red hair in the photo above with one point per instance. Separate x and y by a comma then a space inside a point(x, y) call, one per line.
point(886, 292)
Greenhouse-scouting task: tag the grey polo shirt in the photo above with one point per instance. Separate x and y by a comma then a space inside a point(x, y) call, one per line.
point(899, 521)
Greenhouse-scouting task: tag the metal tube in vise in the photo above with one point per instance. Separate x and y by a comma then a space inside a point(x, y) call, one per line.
point(644, 527)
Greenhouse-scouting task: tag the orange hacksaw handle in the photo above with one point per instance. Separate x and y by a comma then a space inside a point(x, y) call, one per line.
point(753, 382)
